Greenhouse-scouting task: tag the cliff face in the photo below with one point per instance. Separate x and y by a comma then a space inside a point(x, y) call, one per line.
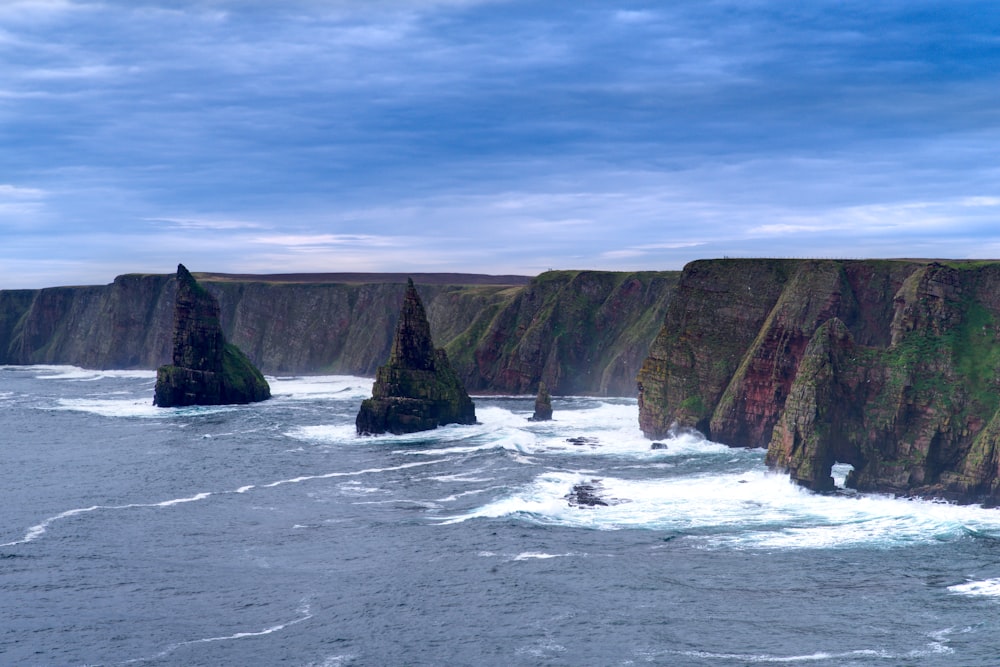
point(892, 367)
point(290, 327)
point(417, 390)
point(580, 332)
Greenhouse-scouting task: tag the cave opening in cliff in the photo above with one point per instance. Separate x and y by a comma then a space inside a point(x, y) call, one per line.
point(840, 471)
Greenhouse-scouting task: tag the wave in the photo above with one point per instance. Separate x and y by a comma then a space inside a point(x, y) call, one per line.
point(609, 430)
point(78, 374)
point(312, 387)
point(756, 509)
point(305, 614)
point(38, 530)
point(986, 588)
point(136, 408)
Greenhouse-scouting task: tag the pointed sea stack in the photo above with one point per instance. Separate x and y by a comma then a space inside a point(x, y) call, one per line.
point(417, 390)
point(206, 370)
point(543, 405)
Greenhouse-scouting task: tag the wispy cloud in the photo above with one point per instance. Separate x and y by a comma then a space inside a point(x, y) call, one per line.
point(208, 224)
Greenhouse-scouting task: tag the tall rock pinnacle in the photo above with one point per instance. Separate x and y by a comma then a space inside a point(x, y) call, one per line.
point(417, 390)
point(206, 370)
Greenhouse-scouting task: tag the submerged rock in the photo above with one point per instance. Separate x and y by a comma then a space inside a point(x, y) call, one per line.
point(206, 370)
point(417, 390)
point(590, 494)
point(543, 405)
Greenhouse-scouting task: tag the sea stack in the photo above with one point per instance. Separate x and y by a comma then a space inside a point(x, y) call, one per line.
point(417, 390)
point(543, 405)
point(206, 369)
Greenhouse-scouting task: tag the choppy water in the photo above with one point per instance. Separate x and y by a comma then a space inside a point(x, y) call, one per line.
point(270, 534)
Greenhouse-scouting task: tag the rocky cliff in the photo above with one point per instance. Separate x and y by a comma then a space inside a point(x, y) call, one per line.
point(890, 366)
point(206, 370)
point(343, 323)
point(416, 390)
point(581, 332)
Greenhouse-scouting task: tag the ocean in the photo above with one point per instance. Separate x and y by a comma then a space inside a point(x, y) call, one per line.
point(271, 534)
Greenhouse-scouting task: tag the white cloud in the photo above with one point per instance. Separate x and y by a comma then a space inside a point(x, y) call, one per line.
point(8, 191)
point(208, 224)
point(312, 241)
point(77, 72)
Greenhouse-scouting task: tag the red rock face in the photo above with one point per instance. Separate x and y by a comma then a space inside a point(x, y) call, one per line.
point(893, 367)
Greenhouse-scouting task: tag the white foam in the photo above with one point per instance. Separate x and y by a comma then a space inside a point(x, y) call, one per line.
point(537, 555)
point(135, 408)
point(88, 375)
point(751, 510)
point(312, 387)
point(325, 433)
point(985, 588)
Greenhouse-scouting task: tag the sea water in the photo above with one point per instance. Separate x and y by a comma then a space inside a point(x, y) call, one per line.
point(271, 534)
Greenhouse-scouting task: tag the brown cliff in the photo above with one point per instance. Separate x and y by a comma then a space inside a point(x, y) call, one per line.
point(891, 367)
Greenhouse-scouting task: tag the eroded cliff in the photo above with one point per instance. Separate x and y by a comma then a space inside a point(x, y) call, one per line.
point(890, 366)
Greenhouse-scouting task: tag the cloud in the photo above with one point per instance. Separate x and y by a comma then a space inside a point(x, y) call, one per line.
point(208, 224)
point(493, 135)
point(302, 242)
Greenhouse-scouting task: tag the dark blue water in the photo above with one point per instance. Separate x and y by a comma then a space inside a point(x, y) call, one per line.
point(270, 534)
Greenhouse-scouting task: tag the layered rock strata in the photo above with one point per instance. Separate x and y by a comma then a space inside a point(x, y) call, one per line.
point(891, 367)
point(206, 370)
point(417, 390)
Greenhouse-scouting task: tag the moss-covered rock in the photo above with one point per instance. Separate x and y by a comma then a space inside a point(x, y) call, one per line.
point(206, 370)
point(417, 390)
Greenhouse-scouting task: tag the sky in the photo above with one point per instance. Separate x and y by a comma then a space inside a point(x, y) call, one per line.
point(491, 136)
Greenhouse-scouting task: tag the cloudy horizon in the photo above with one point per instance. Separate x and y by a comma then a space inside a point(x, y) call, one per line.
point(490, 136)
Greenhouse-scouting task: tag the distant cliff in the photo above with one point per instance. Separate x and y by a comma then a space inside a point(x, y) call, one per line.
point(582, 332)
point(890, 366)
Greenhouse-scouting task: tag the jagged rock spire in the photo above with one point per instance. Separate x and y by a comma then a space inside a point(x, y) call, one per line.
point(198, 339)
point(417, 390)
point(206, 370)
point(412, 347)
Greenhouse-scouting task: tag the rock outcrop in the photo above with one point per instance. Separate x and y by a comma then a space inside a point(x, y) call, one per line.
point(543, 405)
point(206, 370)
point(417, 390)
point(892, 367)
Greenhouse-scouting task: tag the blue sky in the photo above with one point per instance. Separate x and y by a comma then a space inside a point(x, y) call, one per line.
point(491, 136)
